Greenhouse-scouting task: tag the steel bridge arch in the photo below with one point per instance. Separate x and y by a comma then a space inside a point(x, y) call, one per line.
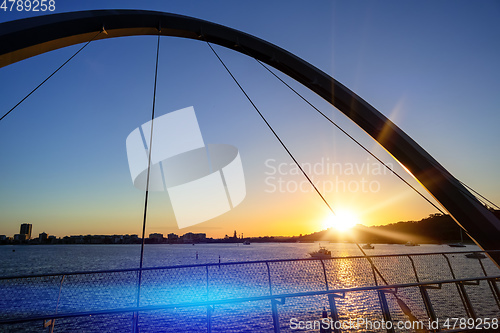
point(29, 37)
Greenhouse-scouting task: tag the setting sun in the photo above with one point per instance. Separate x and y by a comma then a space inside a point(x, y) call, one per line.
point(343, 220)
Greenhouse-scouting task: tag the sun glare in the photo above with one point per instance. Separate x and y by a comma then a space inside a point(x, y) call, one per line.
point(343, 220)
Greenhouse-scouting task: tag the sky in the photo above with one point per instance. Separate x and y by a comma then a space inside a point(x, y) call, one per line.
point(431, 67)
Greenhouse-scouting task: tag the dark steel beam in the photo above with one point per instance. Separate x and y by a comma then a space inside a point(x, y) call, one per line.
point(25, 38)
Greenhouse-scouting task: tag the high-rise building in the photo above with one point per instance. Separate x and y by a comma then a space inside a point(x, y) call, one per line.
point(26, 230)
point(43, 237)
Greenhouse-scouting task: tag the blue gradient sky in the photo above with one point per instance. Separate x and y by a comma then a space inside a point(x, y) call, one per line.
point(432, 67)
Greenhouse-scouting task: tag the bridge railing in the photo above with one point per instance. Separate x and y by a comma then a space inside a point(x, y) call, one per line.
point(270, 295)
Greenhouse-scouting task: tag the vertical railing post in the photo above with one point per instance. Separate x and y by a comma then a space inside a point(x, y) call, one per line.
point(209, 318)
point(276, 318)
point(269, 279)
point(427, 302)
point(385, 309)
point(209, 308)
point(495, 291)
point(135, 316)
point(465, 298)
point(324, 274)
point(274, 308)
point(429, 308)
point(414, 268)
point(331, 301)
point(333, 311)
point(206, 268)
point(373, 271)
point(52, 321)
point(462, 292)
point(493, 286)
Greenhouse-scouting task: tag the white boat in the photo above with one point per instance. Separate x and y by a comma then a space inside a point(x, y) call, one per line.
point(246, 242)
point(410, 243)
point(321, 253)
point(368, 246)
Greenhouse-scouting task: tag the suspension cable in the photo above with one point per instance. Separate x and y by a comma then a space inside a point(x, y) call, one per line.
point(289, 153)
point(147, 178)
point(350, 137)
point(473, 197)
point(478, 197)
point(479, 194)
point(401, 303)
point(272, 130)
point(54, 72)
point(366, 149)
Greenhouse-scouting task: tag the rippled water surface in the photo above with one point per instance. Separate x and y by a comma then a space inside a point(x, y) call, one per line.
point(40, 259)
point(174, 286)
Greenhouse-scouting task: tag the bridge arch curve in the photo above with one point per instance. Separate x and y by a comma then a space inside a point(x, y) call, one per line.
point(29, 37)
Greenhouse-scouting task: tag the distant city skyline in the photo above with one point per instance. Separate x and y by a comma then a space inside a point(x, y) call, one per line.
point(25, 237)
point(430, 67)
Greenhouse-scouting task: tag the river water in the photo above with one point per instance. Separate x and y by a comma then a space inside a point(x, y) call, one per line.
point(43, 259)
point(91, 292)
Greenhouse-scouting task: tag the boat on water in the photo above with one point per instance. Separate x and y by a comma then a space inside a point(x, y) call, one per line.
point(410, 243)
point(246, 242)
point(459, 244)
point(368, 246)
point(475, 255)
point(321, 253)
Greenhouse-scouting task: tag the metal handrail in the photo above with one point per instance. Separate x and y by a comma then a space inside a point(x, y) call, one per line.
point(246, 299)
point(239, 263)
point(275, 297)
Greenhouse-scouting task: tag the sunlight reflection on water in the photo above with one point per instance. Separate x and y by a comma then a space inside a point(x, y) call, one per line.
point(180, 285)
